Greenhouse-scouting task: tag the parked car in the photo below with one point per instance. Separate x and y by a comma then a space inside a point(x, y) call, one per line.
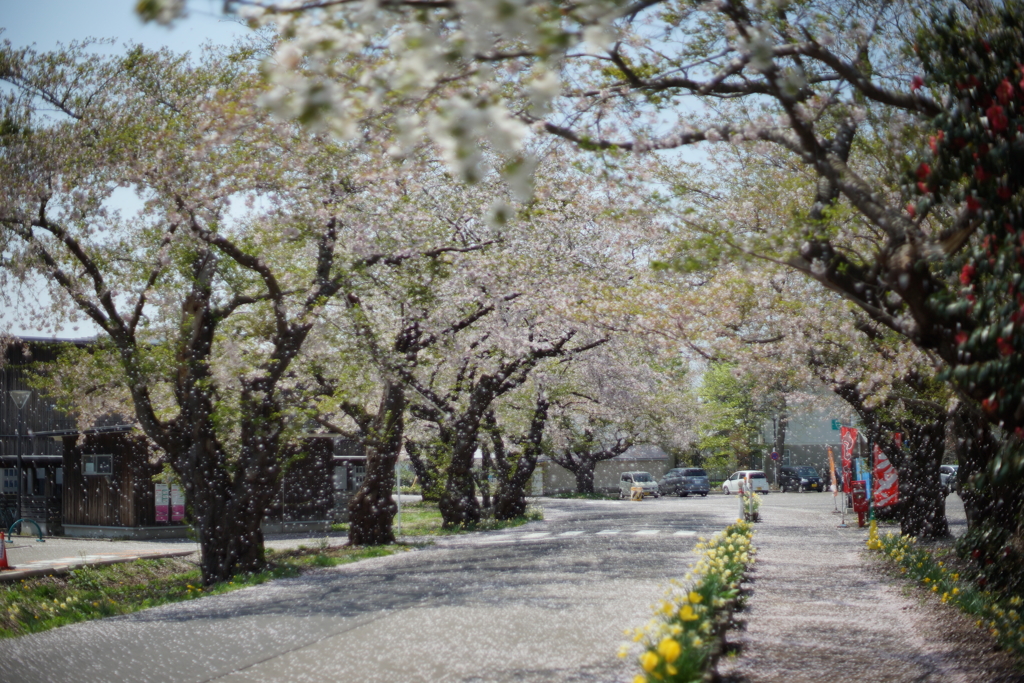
point(682, 481)
point(800, 478)
point(750, 479)
point(947, 474)
point(642, 479)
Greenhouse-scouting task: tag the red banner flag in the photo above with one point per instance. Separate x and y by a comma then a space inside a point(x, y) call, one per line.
point(886, 490)
point(848, 436)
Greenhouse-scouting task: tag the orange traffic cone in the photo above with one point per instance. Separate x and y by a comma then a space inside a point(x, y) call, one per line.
point(3, 553)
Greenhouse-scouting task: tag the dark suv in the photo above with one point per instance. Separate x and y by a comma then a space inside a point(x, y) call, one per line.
point(682, 481)
point(800, 478)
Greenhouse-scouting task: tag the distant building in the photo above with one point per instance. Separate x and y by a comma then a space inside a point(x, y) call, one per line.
point(810, 430)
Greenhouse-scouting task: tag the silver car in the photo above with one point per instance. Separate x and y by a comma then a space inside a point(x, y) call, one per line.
point(642, 479)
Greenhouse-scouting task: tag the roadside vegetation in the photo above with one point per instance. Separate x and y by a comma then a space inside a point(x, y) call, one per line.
point(684, 637)
point(424, 518)
point(45, 602)
point(962, 577)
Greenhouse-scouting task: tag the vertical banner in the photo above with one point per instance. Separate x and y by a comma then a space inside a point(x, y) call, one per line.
point(849, 440)
point(169, 500)
point(160, 501)
point(887, 483)
point(832, 471)
point(177, 504)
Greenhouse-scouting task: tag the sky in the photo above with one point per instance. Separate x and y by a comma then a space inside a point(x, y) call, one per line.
point(47, 23)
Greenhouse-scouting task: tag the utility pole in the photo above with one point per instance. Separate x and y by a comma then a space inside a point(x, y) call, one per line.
point(20, 398)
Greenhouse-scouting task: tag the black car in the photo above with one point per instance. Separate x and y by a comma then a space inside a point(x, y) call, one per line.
point(800, 478)
point(682, 481)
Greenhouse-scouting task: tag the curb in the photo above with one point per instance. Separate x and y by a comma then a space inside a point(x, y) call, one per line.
point(72, 563)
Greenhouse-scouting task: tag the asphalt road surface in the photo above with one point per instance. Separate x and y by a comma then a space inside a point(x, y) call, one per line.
point(543, 602)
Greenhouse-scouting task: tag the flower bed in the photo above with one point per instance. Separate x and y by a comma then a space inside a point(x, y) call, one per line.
point(995, 612)
point(683, 638)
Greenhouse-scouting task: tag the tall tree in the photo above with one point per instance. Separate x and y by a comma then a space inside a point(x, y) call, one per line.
point(207, 294)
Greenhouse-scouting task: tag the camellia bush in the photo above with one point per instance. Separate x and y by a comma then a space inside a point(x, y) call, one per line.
point(680, 638)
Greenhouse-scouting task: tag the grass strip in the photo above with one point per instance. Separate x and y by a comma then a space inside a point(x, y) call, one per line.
point(680, 641)
point(423, 518)
point(931, 570)
point(45, 602)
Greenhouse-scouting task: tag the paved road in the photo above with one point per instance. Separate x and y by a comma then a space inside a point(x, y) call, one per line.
point(544, 602)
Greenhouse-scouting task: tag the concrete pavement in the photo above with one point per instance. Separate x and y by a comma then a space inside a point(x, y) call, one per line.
point(822, 608)
point(545, 602)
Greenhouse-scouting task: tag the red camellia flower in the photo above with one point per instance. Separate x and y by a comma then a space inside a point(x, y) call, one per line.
point(923, 171)
point(923, 187)
point(1004, 192)
point(1005, 347)
point(916, 82)
point(961, 338)
point(1004, 91)
point(972, 203)
point(981, 174)
point(911, 210)
point(975, 553)
point(967, 273)
point(997, 118)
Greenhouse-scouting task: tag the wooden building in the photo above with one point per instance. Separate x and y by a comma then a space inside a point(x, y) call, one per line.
point(109, 487)
point(99, 482)
point(22, 430)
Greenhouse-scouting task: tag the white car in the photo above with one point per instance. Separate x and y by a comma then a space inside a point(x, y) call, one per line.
point(752, 480)
point(642, 479)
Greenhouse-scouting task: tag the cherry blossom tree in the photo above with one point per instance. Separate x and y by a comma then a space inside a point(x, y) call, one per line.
point(813, 79)
point(626, 393)
point(206, 294)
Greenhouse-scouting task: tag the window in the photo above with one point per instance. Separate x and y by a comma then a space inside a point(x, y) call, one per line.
point(10, 480)
point(97, 464)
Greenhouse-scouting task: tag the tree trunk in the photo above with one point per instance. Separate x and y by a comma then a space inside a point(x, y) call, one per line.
point(231, 543)
point(459, 506)
point(513, 472)
point(922, 500)
point(585, 475)
point(426, 471)
point(227, 514)
point(372, 509)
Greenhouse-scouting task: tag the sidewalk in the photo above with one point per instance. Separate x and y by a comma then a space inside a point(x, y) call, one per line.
point(821, 608)
point(66, 564)
point(58, 555)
